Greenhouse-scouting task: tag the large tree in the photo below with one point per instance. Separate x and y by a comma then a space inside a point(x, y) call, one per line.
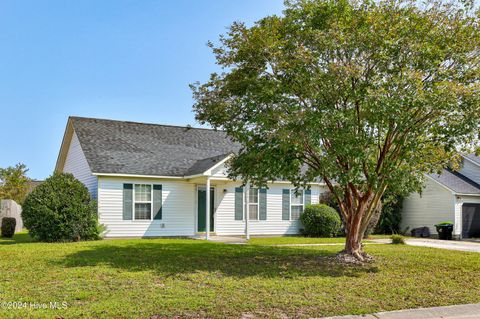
point(14, 183)
point(364, 95)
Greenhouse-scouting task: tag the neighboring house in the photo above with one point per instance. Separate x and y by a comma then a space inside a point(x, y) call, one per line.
point(451, 196)
point(151, 180)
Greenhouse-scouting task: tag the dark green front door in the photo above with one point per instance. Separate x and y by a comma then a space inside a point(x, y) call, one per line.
point(202, 209)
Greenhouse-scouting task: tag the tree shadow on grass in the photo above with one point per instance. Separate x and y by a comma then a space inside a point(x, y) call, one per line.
point(187, 257)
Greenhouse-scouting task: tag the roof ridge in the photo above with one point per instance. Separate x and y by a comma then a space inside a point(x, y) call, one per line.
point(188, 127)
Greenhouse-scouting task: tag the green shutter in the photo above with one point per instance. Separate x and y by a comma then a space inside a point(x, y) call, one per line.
point(157, 201)
point(285, 204)
point(238, 203)
point(127, 201)
point(308, 196)
point(262, 203)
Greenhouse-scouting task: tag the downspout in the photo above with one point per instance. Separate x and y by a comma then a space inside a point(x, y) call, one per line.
point(247, 211)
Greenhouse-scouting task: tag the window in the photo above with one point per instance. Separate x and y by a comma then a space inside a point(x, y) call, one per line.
point(296, 204)
point(143, 202)
point(253, 204)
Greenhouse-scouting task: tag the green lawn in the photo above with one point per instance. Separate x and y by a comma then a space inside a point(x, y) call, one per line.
point(162, 278)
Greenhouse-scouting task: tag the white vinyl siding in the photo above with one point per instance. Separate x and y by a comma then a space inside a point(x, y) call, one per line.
point(436, 204)
point(220, 171)
point(76, 164)
point(225, 223)
point(178, 210)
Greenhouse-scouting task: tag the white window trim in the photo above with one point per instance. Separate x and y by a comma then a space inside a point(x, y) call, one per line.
point(292, 191)
point(134, 201)
point(257, 204)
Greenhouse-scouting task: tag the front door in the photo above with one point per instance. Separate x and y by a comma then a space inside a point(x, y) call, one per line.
point(202, 209)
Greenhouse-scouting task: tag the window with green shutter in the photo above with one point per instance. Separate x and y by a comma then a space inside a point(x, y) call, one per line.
point(308, 196)
point(238, 203)
point(142, 201)
point(262, 203)
point(297, 203)
point(142, 197)
point(285, 204)
point(253, 203)
point(127, 201)
point(157, 202)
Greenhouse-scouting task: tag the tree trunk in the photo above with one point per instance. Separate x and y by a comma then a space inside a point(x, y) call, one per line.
point(356, 209)
point(356, 225)
point(353, 244)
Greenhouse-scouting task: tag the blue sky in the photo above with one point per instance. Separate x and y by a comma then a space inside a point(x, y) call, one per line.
point(122, 59)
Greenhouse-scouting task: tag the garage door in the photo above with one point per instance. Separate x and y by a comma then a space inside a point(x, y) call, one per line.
point(471, 221)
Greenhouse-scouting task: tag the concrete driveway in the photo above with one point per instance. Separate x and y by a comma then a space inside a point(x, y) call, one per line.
point(450, 312)
point(437, 243)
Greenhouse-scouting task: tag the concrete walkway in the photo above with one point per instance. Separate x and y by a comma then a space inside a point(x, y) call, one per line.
point(436, 243)
point(424, 242)
point(450, 312)
point(225, 239)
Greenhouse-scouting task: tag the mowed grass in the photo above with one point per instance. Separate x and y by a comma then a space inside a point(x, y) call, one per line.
point(164, 278)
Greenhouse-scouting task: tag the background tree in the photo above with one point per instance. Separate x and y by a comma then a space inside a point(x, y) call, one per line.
point(391, 217)
point(14, 183)
point(365, 95)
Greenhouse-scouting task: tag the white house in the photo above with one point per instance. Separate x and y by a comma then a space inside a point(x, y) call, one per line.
point(451, 196)
point(151, 180)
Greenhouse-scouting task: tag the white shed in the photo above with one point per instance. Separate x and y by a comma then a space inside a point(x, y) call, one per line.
point(10, 208)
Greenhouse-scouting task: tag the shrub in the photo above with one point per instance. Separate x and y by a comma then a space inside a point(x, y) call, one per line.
point(61, 209)
point(373, 220)
point(320, 220)
point(397, 239)
point(8, 226)
point(391, 216)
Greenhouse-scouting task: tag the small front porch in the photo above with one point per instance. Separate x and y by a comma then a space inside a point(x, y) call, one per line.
point(212, 207)
point(206, 204)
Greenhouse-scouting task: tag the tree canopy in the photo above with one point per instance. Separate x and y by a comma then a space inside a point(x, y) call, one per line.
point(365, 95)
point(14, 183)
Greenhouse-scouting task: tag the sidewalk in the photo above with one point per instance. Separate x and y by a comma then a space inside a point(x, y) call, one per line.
point(449, 312)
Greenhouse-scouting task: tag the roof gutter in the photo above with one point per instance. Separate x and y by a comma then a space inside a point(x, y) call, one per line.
point(462, 194)
point(138, 176)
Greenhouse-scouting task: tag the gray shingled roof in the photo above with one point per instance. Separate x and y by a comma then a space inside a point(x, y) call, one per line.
point(473, 158)
point(118, 147)
point(457, 182)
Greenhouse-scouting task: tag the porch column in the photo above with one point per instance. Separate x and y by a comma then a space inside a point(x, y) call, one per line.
point(247, 211)
point(207, 233)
